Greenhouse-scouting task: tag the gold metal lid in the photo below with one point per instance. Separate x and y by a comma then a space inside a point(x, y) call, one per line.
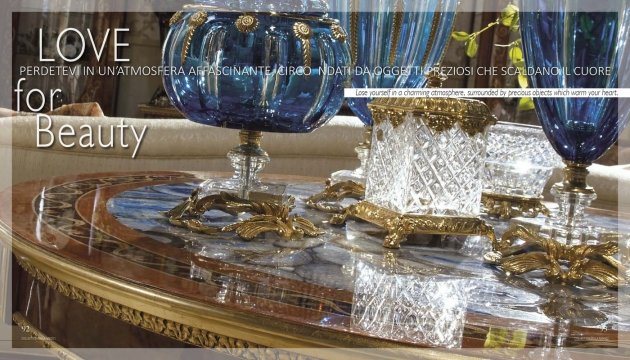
point(439, 114)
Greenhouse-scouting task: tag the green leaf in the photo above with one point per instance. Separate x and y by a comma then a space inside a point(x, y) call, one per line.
point(515, 54)
point(516, 25)
point(509, 15)
point(471, 48)
point(522, 79)
point(460, 36)
point(525, 104)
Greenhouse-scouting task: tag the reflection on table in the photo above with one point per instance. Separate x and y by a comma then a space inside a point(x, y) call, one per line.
point(432, 292)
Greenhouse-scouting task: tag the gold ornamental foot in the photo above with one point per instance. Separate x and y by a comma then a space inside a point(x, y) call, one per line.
point(329, 200)
point(267, 216)
point(564, 264)
point(399, 226)
point(511, 206)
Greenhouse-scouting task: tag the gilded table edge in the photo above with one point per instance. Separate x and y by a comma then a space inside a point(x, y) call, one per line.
point(122, 300)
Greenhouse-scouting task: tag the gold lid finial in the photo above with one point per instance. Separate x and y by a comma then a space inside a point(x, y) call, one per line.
point(436, 77)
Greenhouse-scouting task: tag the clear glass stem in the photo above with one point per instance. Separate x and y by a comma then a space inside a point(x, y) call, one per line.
point(363, 154)
point(573, 196)
point(248, 159)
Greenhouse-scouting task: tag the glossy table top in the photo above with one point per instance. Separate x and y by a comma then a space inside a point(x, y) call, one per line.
point(341, 289)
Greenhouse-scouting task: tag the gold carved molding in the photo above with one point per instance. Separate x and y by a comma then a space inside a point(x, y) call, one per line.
point(437, 18)
point(169, 328)
point(338, 33)
point(177, 17)
point(396, 31)
point(439, 114)
point(354, 30)
point(199, 324)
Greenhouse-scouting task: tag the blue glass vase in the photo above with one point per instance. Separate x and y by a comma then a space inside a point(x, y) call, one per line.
point(567, 46)
point(255, 71)
point(393, 45)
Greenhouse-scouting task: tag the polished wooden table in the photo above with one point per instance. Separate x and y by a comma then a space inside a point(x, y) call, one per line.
point(98, 265)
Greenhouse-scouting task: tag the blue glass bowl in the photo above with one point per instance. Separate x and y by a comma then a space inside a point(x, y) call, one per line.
point(256, 71)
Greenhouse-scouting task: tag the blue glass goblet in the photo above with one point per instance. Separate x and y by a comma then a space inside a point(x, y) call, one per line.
point(568, 46)
point(254, 71)
point(393, 45)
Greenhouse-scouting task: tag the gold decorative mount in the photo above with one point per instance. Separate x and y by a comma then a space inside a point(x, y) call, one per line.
point(439, 114)
point(399, 226)
point(247, 23)
point(267, 216)
point(177, 17)
point(338, 33)
point(511, 206)
point(564, 264)
point(437, 18)
point(304, 32)
point(335, 193)
point(195, 21)
point(574, 179)
point(396, 31)
point(354, 30)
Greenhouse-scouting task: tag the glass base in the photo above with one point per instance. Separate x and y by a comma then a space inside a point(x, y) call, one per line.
point(589, 235)
point(247, 159)
point(261, 191)
point(572, 235)
point(358, 175)
point(568, 224)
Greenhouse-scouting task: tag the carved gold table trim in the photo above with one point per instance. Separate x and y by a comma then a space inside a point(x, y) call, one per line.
point(399, 226)
point(188, 321)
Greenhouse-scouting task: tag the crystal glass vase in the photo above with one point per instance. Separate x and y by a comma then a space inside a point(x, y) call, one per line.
point(393, 44)
point(576, 44)
point(255, 71)
point(519, 160)
point(428, 154)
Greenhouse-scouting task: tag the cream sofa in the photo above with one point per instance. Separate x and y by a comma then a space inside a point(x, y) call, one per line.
point(177, 144)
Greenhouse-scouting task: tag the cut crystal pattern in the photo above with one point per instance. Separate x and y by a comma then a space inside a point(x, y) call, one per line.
point(409, 307)
point(519, 161)
point(390, 158)
point(414, 169)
